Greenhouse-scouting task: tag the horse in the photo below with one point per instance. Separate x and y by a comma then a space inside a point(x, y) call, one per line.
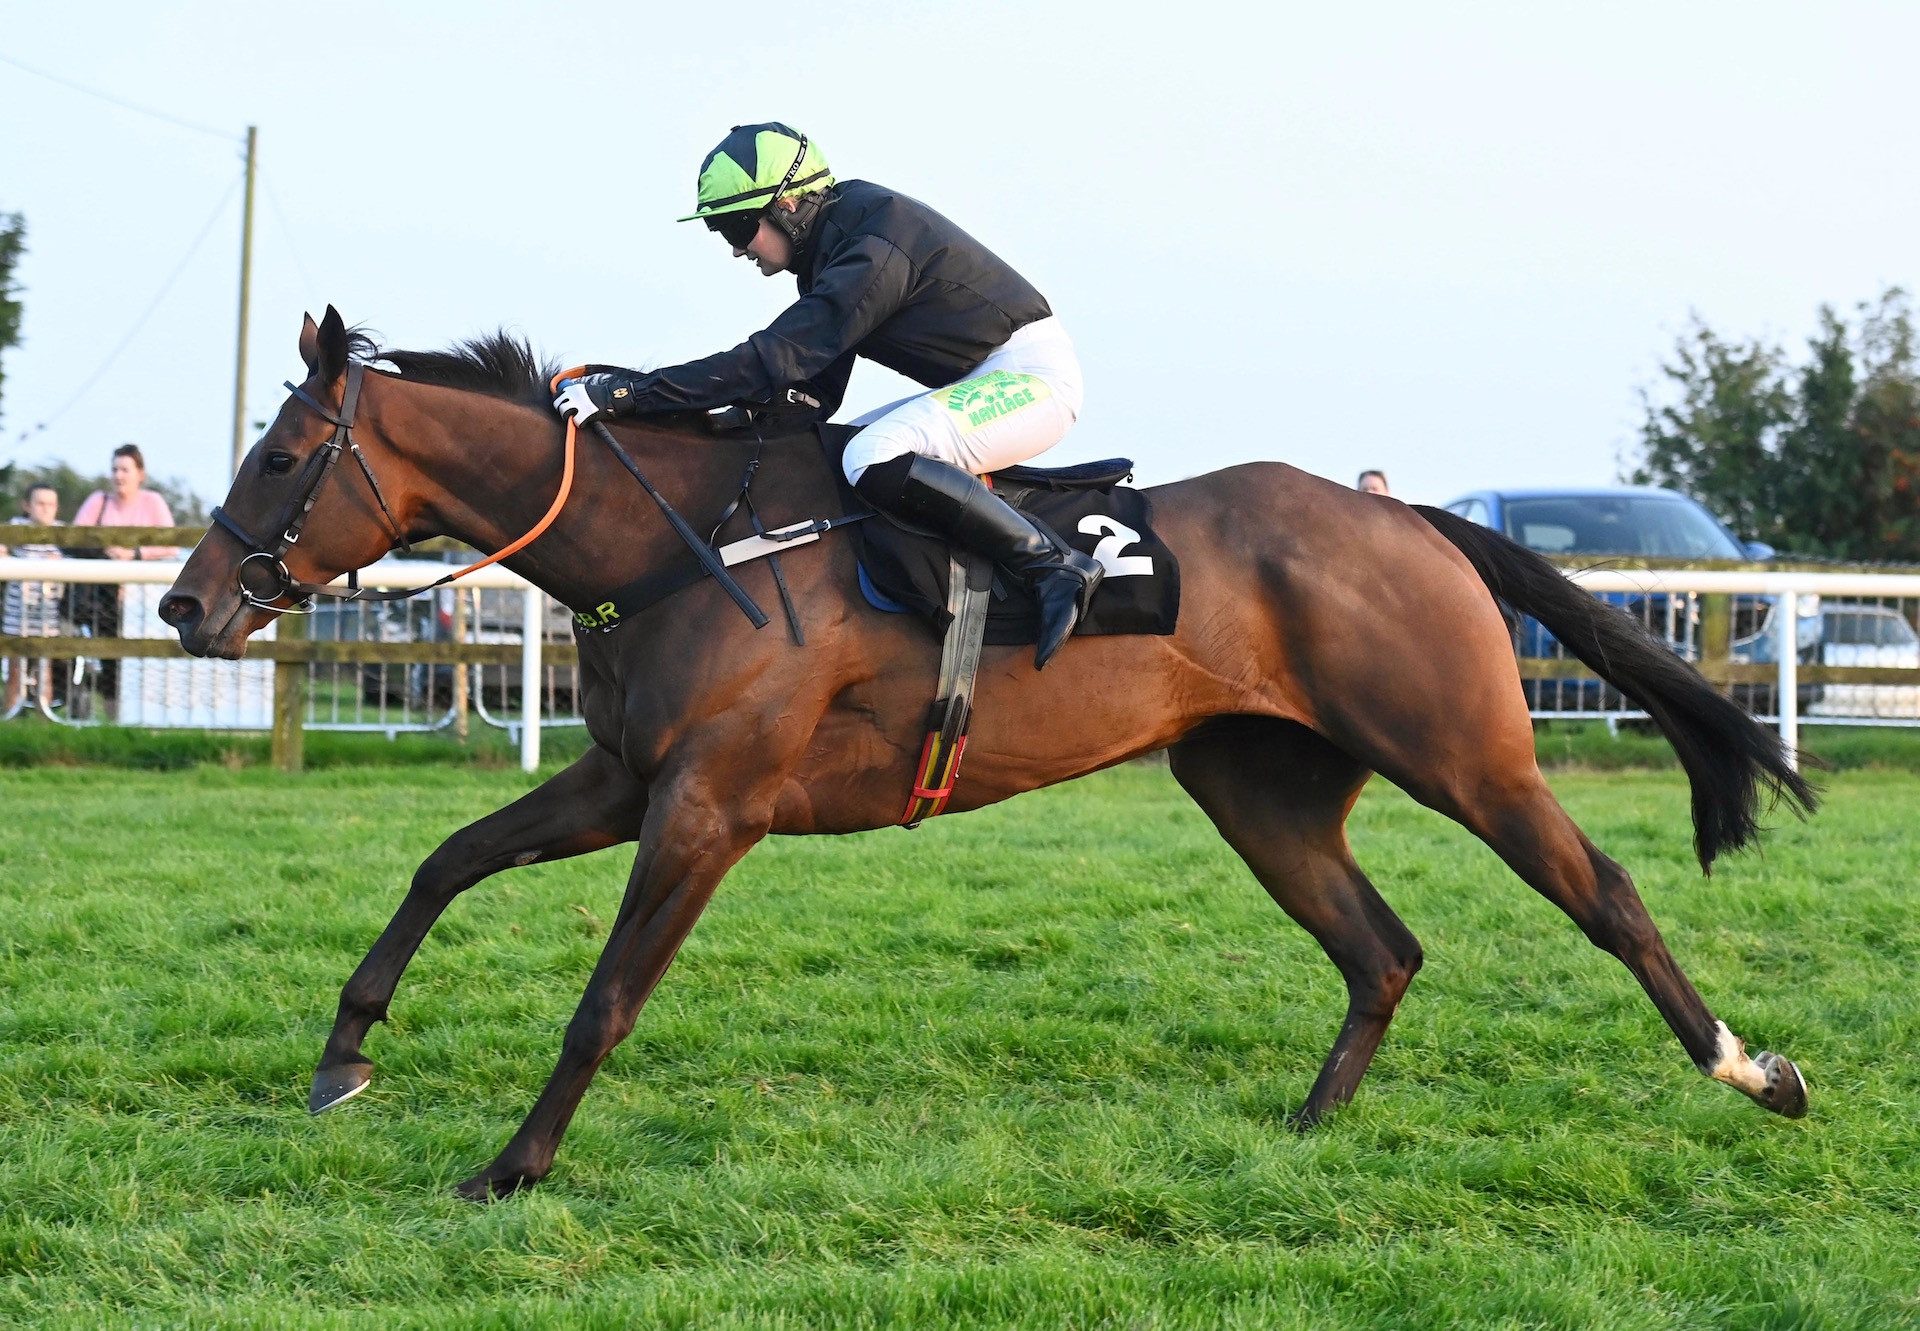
point(1325, 635)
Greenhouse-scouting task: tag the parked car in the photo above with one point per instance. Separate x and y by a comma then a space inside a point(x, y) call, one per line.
point(1647, 523)
point(374, 621)
point(1862, 634)
point(493, 615)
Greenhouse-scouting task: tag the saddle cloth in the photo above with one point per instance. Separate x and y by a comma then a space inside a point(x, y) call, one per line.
point(906, 571)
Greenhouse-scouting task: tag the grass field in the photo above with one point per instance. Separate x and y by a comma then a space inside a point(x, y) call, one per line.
point(1026, 1068)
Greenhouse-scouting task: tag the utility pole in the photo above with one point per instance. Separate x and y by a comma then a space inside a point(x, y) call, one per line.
point(246, 288)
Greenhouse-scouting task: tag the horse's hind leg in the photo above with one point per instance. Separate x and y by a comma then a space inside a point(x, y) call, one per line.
point(590, 805)
point(1280, 795)
point(1525, 825)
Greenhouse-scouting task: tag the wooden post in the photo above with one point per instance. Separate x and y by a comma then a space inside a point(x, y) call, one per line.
point(246, 291)
point(460, 701)
point(1716, 637)
point(532, 625)
point(290, 700)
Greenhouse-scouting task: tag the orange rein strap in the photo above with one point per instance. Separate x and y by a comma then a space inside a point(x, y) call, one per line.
point(559, 502)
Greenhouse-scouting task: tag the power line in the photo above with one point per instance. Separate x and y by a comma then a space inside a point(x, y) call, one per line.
point(139, 323)
point(119, 102)
point(293, 247)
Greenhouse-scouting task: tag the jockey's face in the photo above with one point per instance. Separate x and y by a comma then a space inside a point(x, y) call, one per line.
point(769, 249)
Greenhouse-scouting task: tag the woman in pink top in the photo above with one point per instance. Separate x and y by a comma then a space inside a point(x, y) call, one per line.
point(98, 608)
point(128, 505)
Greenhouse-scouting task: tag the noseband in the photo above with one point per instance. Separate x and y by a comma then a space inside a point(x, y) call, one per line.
point(269, 579)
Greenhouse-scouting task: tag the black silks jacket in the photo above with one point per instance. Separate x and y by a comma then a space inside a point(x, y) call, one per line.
point(881, 276)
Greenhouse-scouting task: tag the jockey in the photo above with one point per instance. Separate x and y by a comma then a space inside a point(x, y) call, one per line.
point(884, 276)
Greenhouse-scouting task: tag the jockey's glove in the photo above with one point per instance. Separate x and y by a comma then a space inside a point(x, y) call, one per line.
point(606, 393)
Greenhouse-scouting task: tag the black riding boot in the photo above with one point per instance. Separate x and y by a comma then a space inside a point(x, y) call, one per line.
point(947, 501)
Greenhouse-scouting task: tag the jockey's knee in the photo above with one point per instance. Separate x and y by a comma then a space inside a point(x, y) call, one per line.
point(865, 451)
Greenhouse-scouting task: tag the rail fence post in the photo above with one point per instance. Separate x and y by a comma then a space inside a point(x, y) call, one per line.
point(1716, 638)
point(532, 626)
point(460, 668)
point(1786, 621)
point(290, 699)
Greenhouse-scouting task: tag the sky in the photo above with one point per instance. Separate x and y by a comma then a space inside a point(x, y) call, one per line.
point(1454, 242)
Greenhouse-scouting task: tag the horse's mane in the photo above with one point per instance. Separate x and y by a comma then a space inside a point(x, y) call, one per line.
point(498, 365)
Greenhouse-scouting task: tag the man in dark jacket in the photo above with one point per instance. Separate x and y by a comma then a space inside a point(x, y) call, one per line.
point(884, 276)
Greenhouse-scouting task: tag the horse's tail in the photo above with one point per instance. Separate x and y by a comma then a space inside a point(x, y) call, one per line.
point(1728, 756)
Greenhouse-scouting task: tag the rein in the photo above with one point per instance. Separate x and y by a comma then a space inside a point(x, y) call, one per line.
point(274, 581)
point(264, 578)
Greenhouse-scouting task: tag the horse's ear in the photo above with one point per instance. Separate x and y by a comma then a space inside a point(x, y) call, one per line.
point(310, 343)
point(331, 346)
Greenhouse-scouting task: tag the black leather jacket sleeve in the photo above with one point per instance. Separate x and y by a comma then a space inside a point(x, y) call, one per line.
point(850, 298)
point(830, 385)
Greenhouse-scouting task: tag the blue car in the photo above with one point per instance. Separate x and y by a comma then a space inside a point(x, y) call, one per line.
point(1645, 523)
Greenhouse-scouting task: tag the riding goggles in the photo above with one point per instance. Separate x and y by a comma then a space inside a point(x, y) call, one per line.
point(737, 228)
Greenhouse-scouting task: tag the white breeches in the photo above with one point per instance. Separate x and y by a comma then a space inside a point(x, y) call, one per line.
point(1016, 404)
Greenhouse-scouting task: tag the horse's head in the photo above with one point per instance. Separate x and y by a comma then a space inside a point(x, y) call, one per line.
point(294, 514)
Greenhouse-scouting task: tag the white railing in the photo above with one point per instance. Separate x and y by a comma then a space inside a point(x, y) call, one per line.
point(165, 572)
point(385, 574)
point(1786, 648)
point(1787, 588)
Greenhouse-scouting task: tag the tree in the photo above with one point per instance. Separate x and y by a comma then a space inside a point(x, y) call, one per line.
point(1886, 423)
point(1718, 442)
point(1824, 460)
point(13, 243)
point(1818, 450)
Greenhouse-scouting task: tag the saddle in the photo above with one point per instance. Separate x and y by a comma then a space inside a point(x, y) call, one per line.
point(904, 570)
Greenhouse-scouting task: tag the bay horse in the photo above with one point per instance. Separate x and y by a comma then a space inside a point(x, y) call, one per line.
point(1326, 635)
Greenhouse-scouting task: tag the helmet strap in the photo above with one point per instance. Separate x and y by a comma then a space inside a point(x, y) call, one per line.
point(797, 225)
point(792, 171)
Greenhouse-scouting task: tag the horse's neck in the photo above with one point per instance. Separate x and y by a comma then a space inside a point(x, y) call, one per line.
point(492, 474)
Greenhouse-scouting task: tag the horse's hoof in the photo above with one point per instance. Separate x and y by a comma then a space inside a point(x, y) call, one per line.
point(1786, 1090)
point(488, 1186)
point(336, 1085)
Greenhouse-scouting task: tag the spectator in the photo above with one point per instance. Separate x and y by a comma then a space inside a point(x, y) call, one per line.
point(98, 610)
point(1373, 483)
point(32, 609)
point(128, 506)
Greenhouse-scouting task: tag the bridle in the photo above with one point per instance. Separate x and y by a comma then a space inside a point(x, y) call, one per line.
point(265, 561)
point(270, 580)
point(263, 576)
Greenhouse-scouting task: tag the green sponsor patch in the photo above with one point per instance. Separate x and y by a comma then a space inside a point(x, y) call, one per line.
point(982, 400)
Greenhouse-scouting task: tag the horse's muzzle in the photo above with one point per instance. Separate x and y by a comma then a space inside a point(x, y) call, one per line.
point(186, 615)
point(181, 613)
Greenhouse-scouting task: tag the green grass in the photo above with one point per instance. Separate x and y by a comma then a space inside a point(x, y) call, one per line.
point(28, 741)
point(1025, 1068)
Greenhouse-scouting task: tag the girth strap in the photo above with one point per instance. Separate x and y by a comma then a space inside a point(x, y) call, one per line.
point(745, 497)
point(969, 588)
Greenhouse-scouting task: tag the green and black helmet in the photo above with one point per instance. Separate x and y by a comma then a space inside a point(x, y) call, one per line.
point(754, 166)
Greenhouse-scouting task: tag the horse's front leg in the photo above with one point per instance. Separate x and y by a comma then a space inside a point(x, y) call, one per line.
point(592, 804)
point(698, 826)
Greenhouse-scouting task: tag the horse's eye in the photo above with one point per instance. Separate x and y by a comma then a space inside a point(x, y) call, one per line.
point(279, 464)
